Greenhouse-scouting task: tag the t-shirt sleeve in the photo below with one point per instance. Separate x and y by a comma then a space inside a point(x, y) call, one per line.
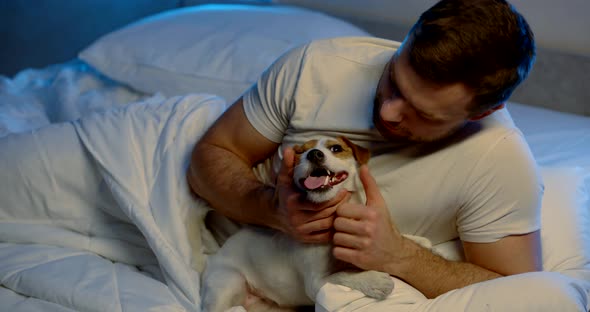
point(269, 103)
point(503, 193)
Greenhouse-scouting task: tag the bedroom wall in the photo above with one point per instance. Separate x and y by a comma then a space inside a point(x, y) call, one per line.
point(41, 32)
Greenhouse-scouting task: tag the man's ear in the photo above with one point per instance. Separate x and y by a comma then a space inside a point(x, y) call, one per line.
point(488, 112)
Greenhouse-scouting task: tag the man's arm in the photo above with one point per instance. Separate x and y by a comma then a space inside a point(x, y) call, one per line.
point(221, 173)
point(508, 256)
point(366, 237)
point(221, 164)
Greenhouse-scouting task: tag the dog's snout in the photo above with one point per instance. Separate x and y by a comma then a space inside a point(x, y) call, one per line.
point(316, 156)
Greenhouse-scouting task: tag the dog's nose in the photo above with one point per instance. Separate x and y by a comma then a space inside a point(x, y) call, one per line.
point(315, 156)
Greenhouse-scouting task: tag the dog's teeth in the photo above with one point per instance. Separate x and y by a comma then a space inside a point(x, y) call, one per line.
point(329, 178)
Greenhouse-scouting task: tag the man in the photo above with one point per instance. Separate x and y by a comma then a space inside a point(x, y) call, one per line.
point(447, 161)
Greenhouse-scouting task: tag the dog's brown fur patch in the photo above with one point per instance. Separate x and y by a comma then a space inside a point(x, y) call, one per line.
point(349, 149)
point(300, 149)
point(361, 154)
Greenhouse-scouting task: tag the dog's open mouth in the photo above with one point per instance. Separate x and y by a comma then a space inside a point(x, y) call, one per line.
point(323, 179)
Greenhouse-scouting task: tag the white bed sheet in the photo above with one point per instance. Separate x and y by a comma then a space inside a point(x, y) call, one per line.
point(555, 138)
point(37, 97)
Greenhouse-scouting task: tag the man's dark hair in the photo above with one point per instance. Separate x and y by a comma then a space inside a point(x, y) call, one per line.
point(485, 44)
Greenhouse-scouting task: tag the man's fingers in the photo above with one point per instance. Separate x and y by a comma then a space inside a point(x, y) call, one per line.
point(317, 237)
point(345, 254)
point(311, 221)
point(288, 157)
point(348, 225)
point(317, 226)
point(321, 214)
point(352, 211)
point(342, 197)
point(286, 171)
point(305, 221)
point(316, 231)
point(371, 188)
point(349, 241)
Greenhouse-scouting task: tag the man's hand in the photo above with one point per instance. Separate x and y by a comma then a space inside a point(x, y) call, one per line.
point(365, 235)
point(304, 221)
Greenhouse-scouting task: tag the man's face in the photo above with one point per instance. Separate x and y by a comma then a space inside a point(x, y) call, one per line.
point(408, 107)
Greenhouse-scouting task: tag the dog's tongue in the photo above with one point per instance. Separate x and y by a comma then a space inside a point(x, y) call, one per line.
point(313, 183)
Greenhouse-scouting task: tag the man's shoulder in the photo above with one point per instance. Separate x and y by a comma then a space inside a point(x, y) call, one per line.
point(478, 138)
point(500, 125)
point(357, 41)
point(365, 50)
point(498, 138)
point(497, 125)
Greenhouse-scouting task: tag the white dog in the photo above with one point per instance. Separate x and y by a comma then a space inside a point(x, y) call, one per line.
point(277, 271)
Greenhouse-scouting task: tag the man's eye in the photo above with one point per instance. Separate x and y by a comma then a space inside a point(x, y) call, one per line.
point(336, 148)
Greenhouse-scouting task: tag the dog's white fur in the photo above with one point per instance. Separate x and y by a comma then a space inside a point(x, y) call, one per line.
point(281, 270)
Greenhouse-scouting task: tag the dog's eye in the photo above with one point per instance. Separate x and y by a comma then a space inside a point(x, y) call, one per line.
point(336, 148)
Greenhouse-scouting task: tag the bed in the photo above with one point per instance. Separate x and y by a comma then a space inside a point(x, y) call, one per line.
point(101, 218)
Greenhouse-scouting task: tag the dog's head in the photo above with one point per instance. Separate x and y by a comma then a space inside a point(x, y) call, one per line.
point(324, 166)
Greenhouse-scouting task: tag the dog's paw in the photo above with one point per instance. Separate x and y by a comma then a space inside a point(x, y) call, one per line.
point(380, 285)
point(373, 284)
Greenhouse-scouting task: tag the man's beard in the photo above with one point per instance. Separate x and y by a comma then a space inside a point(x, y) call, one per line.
point(395, 132)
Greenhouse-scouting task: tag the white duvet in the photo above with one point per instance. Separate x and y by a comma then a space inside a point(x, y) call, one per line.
point(101, 218)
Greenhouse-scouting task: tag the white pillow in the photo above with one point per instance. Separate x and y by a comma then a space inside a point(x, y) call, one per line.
point(218, 49)
point(565, 221)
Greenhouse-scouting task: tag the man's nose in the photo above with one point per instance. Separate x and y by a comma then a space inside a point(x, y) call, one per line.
point(392, 110)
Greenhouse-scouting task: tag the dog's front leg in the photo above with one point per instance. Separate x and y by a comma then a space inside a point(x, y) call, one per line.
point(313, 262)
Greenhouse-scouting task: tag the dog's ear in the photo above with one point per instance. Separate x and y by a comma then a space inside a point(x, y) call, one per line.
point(298, 149)
point(361, 154)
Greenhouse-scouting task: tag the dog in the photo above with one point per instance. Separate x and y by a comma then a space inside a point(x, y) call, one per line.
point(268, 271)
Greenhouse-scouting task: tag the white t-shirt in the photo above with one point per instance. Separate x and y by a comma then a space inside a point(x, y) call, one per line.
point(480, 185)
